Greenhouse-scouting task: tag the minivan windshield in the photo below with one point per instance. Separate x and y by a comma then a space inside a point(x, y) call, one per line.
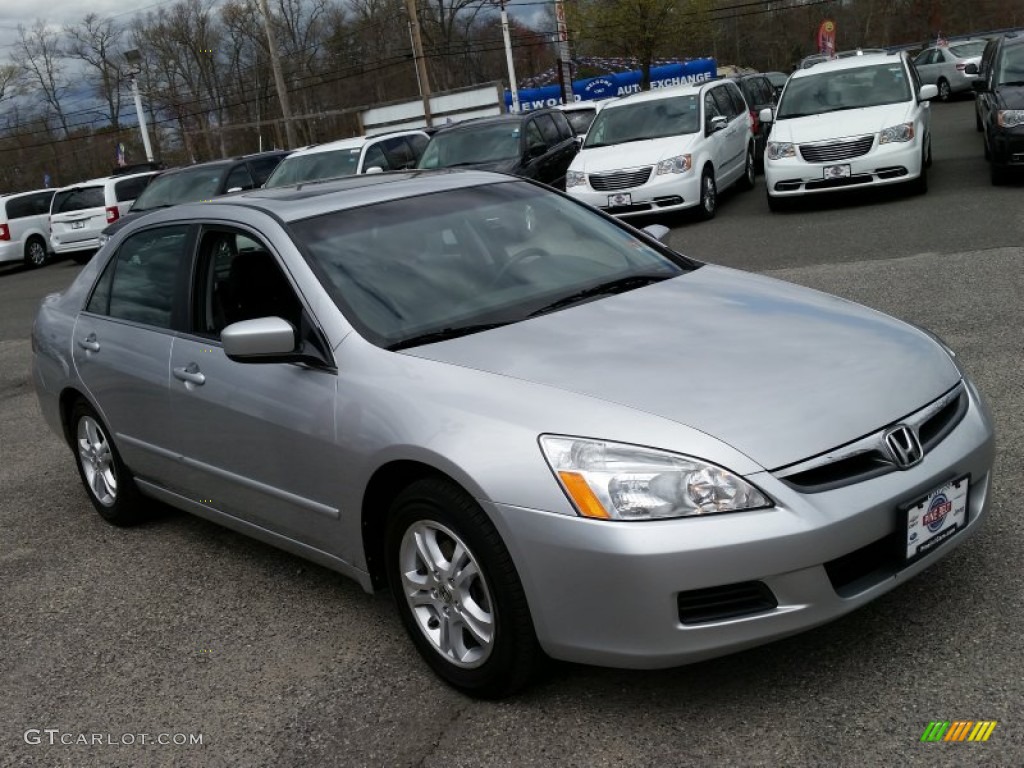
point(185, 186)
point(1011, 65)
point(441, 265)
point(488, 143)
point(316, 165)
point(645, 120)
point(841, 89)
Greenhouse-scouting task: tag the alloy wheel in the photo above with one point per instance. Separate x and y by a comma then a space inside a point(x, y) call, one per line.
point(97, 461)
point(36, 253)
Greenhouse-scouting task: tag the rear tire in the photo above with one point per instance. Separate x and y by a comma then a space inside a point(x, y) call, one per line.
point(107, 481)
point(457, 591)
point(746, 181)
point(945, 92)
point(36, 254)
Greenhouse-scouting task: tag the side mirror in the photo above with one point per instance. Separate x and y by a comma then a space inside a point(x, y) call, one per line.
point(234, 189)
point(971, 69)
point(928, 92)
point(374, 169)
point(657, 231)
point(717, 123)
point(263, 340)
point(766, 115)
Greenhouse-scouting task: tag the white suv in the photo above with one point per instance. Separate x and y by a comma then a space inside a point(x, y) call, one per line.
point(853, 122)
point(666, 150)
point(81, 211)
point(24, 227)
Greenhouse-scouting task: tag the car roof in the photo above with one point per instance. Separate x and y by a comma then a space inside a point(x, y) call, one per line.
point(104, 179)
point(475, 122)
point(352, 142)
point(662, 93)
point(9, 195)
point(313, 198)
point(848, 62)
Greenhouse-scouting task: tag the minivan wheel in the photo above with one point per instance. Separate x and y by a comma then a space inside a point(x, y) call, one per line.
point(749, 170)
point(708, 194)
point(36, 254)
point(106, 479)
point(457, 591)
point(944, 90)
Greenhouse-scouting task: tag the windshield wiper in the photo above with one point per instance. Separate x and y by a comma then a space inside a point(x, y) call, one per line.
point(619, 285)
point(452, 332)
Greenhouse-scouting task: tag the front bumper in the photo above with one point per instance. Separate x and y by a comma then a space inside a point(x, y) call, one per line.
point(660, 194)
point(884, 164)
point(608, 593)
point(1007, 146)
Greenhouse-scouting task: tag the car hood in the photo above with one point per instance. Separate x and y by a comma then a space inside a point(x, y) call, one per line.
point(1011, 97)
point(778, 372)
point(631, 154)
point(843, 124)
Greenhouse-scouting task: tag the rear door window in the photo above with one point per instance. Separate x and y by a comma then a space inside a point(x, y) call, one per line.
point(239, 178)
point(548, 130)
point(129, 189)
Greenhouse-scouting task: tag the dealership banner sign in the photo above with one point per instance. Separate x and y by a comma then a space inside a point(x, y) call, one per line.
point(827, 37)
point(616, 84)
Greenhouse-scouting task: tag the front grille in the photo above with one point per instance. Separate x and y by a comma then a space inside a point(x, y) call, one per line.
point(863, 568)
point(730, 601)
point(868, 457)
point(836, 150)
point(610, 182)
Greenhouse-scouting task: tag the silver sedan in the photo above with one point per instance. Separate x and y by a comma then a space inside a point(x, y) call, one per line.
point(945, 66)
point(541, 429)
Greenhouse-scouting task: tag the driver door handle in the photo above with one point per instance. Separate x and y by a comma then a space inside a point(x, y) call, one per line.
point(89, 343)
point(190, 374)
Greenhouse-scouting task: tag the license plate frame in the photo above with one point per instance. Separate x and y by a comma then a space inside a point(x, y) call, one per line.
point(929, 522)
point(78, 225)
point(833, 172)
point(620, 200)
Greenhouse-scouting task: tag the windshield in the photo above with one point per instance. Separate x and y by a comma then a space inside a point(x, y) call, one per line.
point(1011, 65)
point(185, 186)
point(645, 120)
point(840, 89)
point(580, 119)
point(489, 143)
point(968, 50)
point(465, 258)
point(316, 165)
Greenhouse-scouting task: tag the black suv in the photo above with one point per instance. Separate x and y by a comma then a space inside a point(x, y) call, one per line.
point(999, 104)
point(759, 94)
point(536, 145)
point(202, 181)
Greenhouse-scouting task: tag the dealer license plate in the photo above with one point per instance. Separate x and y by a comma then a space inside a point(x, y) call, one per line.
point(623, 198)
point(78, 225)
point(836, 171)
point(937, 517)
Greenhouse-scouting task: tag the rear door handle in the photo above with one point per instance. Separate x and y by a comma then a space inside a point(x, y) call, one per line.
point(190, 374)
point(89, 343)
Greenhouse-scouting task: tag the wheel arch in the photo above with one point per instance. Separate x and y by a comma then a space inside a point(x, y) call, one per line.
point(66, 403)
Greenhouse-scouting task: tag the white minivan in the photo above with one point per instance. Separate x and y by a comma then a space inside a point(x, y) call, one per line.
point(24, 227)
point(666, 150)
point(81, 211)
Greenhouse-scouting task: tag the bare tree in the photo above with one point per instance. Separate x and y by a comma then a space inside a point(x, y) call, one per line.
point(97, 42)
point(40, 55)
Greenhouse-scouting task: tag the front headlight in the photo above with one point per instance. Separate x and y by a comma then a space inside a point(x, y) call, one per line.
point(678, 164)
point(616, 481)
point(575, 179)
point(1010, 118)
point(777, 150)
point(897, 133)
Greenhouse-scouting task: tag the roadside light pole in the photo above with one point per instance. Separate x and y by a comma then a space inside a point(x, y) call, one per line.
point(421, 63)
point(564, 61)
point(508, 56)
point(134, 59)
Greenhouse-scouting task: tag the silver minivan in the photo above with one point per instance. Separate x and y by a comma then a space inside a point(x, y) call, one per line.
point(81, 211)
point(24, 227)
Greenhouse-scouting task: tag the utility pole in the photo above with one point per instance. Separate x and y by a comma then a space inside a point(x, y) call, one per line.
point(282, 90)
point(508, 57)
point(134, 59)
point(564, 60)
point(421, 63)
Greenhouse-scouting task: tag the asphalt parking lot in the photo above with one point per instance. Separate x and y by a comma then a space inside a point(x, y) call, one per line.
point(179, 627)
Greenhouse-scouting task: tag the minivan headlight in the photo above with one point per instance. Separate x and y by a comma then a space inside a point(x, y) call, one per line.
point(777, 150)
point(575, 179)
point(897, 133)
point(677, 164)
point(617, 481)
point(1010, 118)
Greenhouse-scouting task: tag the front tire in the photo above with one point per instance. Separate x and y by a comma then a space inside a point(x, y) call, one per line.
point(945, 92)
point(36, 254)
point(457, 591)
point(107, 481)
point(708, 195)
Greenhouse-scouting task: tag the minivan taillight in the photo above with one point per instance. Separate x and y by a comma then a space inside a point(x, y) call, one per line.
point(5, 232)
point(112, 214)
point(755, 121)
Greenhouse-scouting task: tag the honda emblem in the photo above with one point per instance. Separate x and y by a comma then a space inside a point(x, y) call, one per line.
point(904, 446)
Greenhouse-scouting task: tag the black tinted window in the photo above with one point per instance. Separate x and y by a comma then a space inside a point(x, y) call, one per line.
point(418, 144)
point(78, 199)
point(375, 158)
point(262, 168)
point(562, 124)
point(129, 189)
point(398, 153)
point(548, 129)
point(145, 274)
point(239, 178)
point(28, 205)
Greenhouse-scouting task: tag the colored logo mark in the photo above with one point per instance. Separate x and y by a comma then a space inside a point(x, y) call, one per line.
point(958, 730)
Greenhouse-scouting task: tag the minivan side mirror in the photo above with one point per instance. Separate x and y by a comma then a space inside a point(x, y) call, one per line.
point(928, 92)
point(766, 115)
point(717, 123)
